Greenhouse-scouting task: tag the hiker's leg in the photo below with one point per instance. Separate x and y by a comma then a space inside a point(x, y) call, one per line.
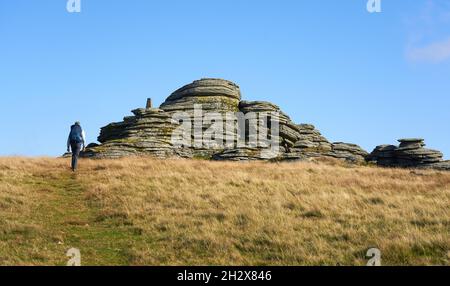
point(73, 161)
point(76, 148)
point(74, 156)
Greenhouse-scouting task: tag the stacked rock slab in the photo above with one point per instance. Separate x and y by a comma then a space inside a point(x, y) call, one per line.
point(311, 142)
point(148, 132)
point(211, 96)
point(410, 153)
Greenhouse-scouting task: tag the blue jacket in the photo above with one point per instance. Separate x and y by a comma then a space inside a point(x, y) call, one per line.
point(75, 132)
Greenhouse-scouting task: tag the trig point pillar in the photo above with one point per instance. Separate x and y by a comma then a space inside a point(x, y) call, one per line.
point(149, 103)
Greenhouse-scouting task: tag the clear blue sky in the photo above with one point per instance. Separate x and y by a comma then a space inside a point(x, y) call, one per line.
point(362, 78)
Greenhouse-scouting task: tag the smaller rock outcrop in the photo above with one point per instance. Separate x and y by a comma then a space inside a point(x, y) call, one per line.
point(311, 144)
point(410, 153)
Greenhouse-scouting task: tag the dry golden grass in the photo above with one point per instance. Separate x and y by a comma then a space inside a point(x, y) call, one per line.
point(141, 211)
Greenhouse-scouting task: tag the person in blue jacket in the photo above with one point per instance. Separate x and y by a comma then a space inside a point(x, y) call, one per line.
point(76, 142)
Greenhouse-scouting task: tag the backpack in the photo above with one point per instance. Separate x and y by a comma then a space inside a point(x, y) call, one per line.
point(76, 134)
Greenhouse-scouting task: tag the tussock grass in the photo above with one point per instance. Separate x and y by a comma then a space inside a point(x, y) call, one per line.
point(142, 211)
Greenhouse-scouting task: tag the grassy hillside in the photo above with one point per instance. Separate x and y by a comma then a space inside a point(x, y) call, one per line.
point(150, 212)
